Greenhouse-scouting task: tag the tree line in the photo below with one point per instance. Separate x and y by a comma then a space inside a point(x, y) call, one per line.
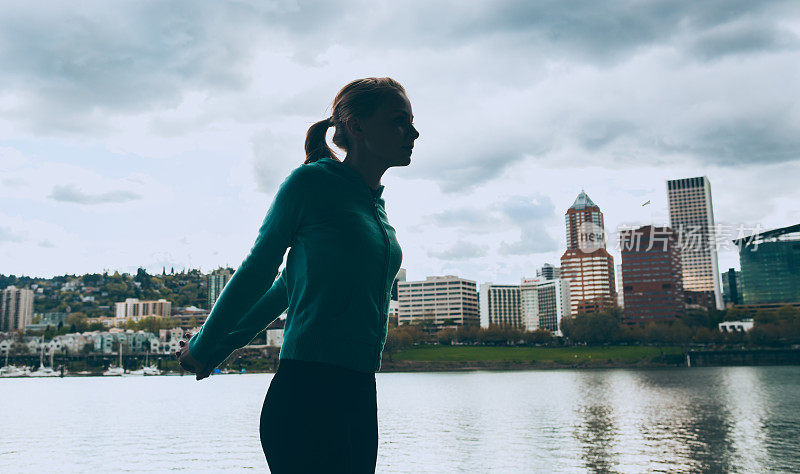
point(772, 328)
point(181, 289)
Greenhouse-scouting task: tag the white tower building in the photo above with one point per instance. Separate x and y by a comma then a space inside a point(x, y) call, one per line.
point(499, 304)
point(691, 213)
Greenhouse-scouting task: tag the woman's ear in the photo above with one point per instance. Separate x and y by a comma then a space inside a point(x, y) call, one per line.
point(354, 128)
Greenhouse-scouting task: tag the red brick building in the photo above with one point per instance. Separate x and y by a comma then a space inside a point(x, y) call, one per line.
point(652, 281)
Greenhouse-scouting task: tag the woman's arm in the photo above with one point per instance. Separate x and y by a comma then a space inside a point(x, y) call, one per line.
point(267, 309)
point(259, 269)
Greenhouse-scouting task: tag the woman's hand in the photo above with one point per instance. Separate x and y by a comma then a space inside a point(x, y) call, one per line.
point(189, 363)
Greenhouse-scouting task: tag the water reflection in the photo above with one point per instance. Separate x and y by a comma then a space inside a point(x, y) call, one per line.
point(778, 413)
point(724, 419)
point(595, 431)
point(680, 420)
point(706, 420)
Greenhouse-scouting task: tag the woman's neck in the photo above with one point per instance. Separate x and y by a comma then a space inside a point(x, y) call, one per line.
point(366, 168)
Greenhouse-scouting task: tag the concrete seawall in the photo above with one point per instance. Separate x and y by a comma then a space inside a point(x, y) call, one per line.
point(743, 357)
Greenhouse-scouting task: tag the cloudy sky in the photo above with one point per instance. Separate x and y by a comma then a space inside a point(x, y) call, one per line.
point(155, 133)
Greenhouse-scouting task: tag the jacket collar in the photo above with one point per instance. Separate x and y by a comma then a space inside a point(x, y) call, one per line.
point(352, 175)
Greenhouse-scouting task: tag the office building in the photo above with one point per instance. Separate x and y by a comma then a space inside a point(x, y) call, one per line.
point(732, 287)
point(586, 263)
point(48, 320)
point(439, 301)
point(544, 303)
point(770, 263)
point(216, 281)
point(499, 304)
point(652, 281)
point(16, 308)
point(548, 272)
point(401, 276)
point(190, 317)
point(691, 214)
point(394, 302)
point(134, 309)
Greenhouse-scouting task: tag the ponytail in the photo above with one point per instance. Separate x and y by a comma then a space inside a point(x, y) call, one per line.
point(316, 147)
point(360, 98)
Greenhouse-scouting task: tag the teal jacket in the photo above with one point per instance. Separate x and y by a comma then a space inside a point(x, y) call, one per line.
point(335, 288)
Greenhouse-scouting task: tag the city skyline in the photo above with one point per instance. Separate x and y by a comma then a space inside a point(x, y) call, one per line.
point(106, 165)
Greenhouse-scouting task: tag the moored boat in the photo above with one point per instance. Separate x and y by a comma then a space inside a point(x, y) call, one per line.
point(43, 371)
point(114, 371)
point(14, 371)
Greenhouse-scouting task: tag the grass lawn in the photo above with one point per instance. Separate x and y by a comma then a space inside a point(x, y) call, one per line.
point(535, 354)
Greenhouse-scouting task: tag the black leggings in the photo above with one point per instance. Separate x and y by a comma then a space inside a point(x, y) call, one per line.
point(320, 418)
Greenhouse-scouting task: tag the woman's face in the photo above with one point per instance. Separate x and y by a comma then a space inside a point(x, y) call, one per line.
point(389, 134)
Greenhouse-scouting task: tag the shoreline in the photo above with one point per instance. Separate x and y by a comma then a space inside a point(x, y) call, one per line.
point(498, 366)
point(516, 358)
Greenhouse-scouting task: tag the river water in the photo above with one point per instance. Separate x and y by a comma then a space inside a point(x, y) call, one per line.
point(725, 419)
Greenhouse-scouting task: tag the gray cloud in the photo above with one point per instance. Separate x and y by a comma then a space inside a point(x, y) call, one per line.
point(46, 244)
point(12, 182)
point(460, 250)
point(486, 156)
point(530, 214)
point(739, 139)
point(82, 63)
point(741, 38)
point(8, 235)
point(70, 65)
point(746, 140)
point(599, 133)
point(274, 156)
point(597, 32)
point(525, 209)
point(534, 239)
point(71, 193)
point(468, 217)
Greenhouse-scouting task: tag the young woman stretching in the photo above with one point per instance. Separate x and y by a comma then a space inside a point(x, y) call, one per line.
point(320, 412)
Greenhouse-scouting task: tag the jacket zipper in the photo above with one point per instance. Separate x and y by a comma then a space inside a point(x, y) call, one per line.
point(385, 268)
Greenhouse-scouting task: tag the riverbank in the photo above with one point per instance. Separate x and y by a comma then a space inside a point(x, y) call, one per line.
point(435, 358)
point(439, 358)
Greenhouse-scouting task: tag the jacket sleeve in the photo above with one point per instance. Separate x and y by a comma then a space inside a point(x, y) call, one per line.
point(267, 309)
point(258, 270)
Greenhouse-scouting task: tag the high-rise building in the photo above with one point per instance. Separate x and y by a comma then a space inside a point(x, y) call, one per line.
point(691, 214)
point(401, 276)
point(216, 281)
point(439, 301)
point(651, 274)
point(499, 304)
point(16, 308)
point(549, 272)
point(586, 263)
point(135, 309)
point(394, 303)
point(770, 263)
point(732, 287)
point(544, 303)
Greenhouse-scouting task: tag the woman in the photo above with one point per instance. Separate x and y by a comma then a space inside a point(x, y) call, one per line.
point(320, 412)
